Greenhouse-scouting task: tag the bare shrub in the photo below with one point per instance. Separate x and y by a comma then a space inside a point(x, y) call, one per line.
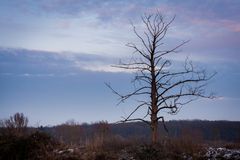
point(69, 133)
point(15, 125)
point(101, 134)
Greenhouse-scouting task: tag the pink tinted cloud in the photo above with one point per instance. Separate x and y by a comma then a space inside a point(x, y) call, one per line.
point(63, 24)
point(195, 16)
point(230, 25)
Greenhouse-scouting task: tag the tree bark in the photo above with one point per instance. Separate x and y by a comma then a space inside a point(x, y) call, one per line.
point(154, 129)
point(154, 118)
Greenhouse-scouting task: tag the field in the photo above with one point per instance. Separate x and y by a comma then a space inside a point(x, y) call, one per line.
point(129, 141)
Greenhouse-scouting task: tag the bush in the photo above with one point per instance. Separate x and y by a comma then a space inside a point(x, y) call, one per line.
point(16, 125)
point(35, 146)
point(147, 152)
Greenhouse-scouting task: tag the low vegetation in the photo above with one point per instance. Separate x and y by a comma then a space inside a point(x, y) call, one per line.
point(103, 141)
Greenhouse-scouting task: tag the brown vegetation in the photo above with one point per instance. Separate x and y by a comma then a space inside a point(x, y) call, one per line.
point(73, 141)
point(15, 125)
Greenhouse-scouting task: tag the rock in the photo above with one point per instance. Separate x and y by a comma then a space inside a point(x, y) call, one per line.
point(124, 155)
point(222, 153)
point(70, 150)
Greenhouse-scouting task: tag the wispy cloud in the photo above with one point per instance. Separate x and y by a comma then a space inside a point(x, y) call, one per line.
point(35, 63)
point(39, 74)
point(222, 98)
point(103, 27)
point(99, 67)
point(36, 75)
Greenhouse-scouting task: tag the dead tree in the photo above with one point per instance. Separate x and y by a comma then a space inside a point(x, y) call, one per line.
point(168, 88)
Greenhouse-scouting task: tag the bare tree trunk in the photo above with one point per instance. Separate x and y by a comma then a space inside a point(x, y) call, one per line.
point(154, 107)
point(154, 110)
point(154, 129)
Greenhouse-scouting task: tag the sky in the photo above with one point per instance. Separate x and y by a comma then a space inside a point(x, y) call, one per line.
point(56, 55)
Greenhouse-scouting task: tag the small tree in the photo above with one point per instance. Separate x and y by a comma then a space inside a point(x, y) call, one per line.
point(16, 124)
point(167, 88)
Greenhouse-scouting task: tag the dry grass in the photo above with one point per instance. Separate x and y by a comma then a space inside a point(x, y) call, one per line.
point(40, 146)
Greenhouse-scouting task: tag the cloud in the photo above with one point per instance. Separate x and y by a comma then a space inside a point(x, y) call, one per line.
point(211, 18)
point(35, 63)
point(36, 75)
point(230, 25)
point(39, 74)
point(120, 12)
point(102, 27)
point(97, 66)
point(104, 10)
point(227, 98)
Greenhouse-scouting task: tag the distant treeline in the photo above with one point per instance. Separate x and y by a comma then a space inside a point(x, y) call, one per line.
point(197, 130)
point(74, 140)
